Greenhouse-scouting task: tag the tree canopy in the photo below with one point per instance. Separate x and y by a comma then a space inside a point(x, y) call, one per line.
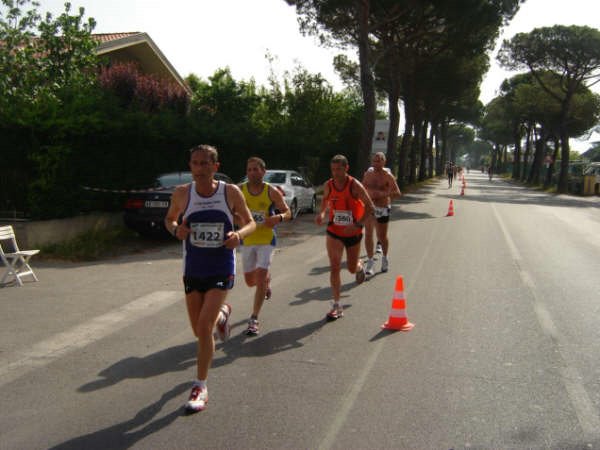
point(405, 48)
point(573, 53)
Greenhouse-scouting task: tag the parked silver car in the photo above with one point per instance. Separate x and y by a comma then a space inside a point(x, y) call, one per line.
point(297, 191)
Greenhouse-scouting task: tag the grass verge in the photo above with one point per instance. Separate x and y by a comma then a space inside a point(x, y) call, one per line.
point(99, 244)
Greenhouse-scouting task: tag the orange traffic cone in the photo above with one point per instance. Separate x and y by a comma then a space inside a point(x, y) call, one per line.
point(450, 209)
point(397, 319)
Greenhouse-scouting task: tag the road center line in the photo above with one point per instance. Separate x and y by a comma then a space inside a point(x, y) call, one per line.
point(588, 417)
point(49, 350)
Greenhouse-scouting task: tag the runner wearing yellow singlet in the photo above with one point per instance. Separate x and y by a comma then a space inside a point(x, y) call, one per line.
point(257, 248)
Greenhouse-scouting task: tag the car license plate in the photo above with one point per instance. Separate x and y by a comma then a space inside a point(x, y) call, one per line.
point(156, 204)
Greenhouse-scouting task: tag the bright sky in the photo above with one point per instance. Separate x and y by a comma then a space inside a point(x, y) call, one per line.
point(201, 36)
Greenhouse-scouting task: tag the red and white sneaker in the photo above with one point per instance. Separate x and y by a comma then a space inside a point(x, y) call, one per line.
point(198, 399)
point(336, 312)
point(252, 329)
point(223, 328)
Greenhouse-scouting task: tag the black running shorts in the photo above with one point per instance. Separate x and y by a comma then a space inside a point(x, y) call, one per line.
point(349, 241)
point(203, 285)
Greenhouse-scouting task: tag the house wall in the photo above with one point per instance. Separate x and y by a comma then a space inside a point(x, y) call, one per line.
point(35, 234)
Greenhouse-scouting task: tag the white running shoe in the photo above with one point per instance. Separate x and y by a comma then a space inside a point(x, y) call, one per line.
point(384, 264)
point(198, 399)
point(223, 328)
point(378, 248)
point(369, 267)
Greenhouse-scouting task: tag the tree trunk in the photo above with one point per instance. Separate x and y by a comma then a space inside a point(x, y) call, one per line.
point(494, 161)
point(392, 145)
point(550, 171)
point(404, 146)
point(516, 172)
point(367, 86)
point(452, 155)
point(430, 151)
point(435, 137)
point(538, 159)
point(414, 152)
point(444, 142)
point(563, 177)
point(500, 163)
point(423, 151)
point(527, 152)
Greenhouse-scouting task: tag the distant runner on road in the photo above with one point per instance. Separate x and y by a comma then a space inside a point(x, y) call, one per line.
point(450, 173)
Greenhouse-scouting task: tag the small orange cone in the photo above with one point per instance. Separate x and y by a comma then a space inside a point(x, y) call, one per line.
point(450, 209)
point(397, 319)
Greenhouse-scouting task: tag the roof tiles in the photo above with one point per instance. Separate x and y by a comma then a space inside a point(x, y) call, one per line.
point(107, 37)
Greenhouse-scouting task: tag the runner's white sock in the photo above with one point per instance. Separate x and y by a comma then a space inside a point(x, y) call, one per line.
point(200, 383)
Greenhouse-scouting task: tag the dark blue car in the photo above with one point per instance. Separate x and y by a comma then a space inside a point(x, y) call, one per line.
point(145, 210)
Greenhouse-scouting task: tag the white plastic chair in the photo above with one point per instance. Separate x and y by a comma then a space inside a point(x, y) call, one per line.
point(15, 261)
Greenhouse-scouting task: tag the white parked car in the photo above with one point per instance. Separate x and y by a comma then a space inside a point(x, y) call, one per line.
point(298, 192)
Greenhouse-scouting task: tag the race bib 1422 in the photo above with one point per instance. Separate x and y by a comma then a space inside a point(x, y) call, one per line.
point(207, 235)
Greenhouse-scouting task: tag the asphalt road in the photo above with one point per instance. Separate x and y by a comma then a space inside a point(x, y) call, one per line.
point(505, 352)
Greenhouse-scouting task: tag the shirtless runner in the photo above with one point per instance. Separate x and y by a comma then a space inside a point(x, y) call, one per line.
point(382, 188)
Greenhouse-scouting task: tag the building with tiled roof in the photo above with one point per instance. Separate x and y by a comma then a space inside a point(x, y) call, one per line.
point(141, 49)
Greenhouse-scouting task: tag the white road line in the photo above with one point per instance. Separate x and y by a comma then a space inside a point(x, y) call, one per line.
point(49, 350)
point(588, 417)
point(349, 400)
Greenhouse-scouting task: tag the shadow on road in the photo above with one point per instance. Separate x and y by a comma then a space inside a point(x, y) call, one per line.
point(276, 341)
point(384, 333)
point(173, 359)
point(405, 215)
point(121, 435)
point(319, 293)
point(321, 270)
point(182, 357)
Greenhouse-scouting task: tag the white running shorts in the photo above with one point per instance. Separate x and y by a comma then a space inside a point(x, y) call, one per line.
point(256, 257)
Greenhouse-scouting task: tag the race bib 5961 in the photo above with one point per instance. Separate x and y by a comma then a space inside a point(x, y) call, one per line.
point(343, 218)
